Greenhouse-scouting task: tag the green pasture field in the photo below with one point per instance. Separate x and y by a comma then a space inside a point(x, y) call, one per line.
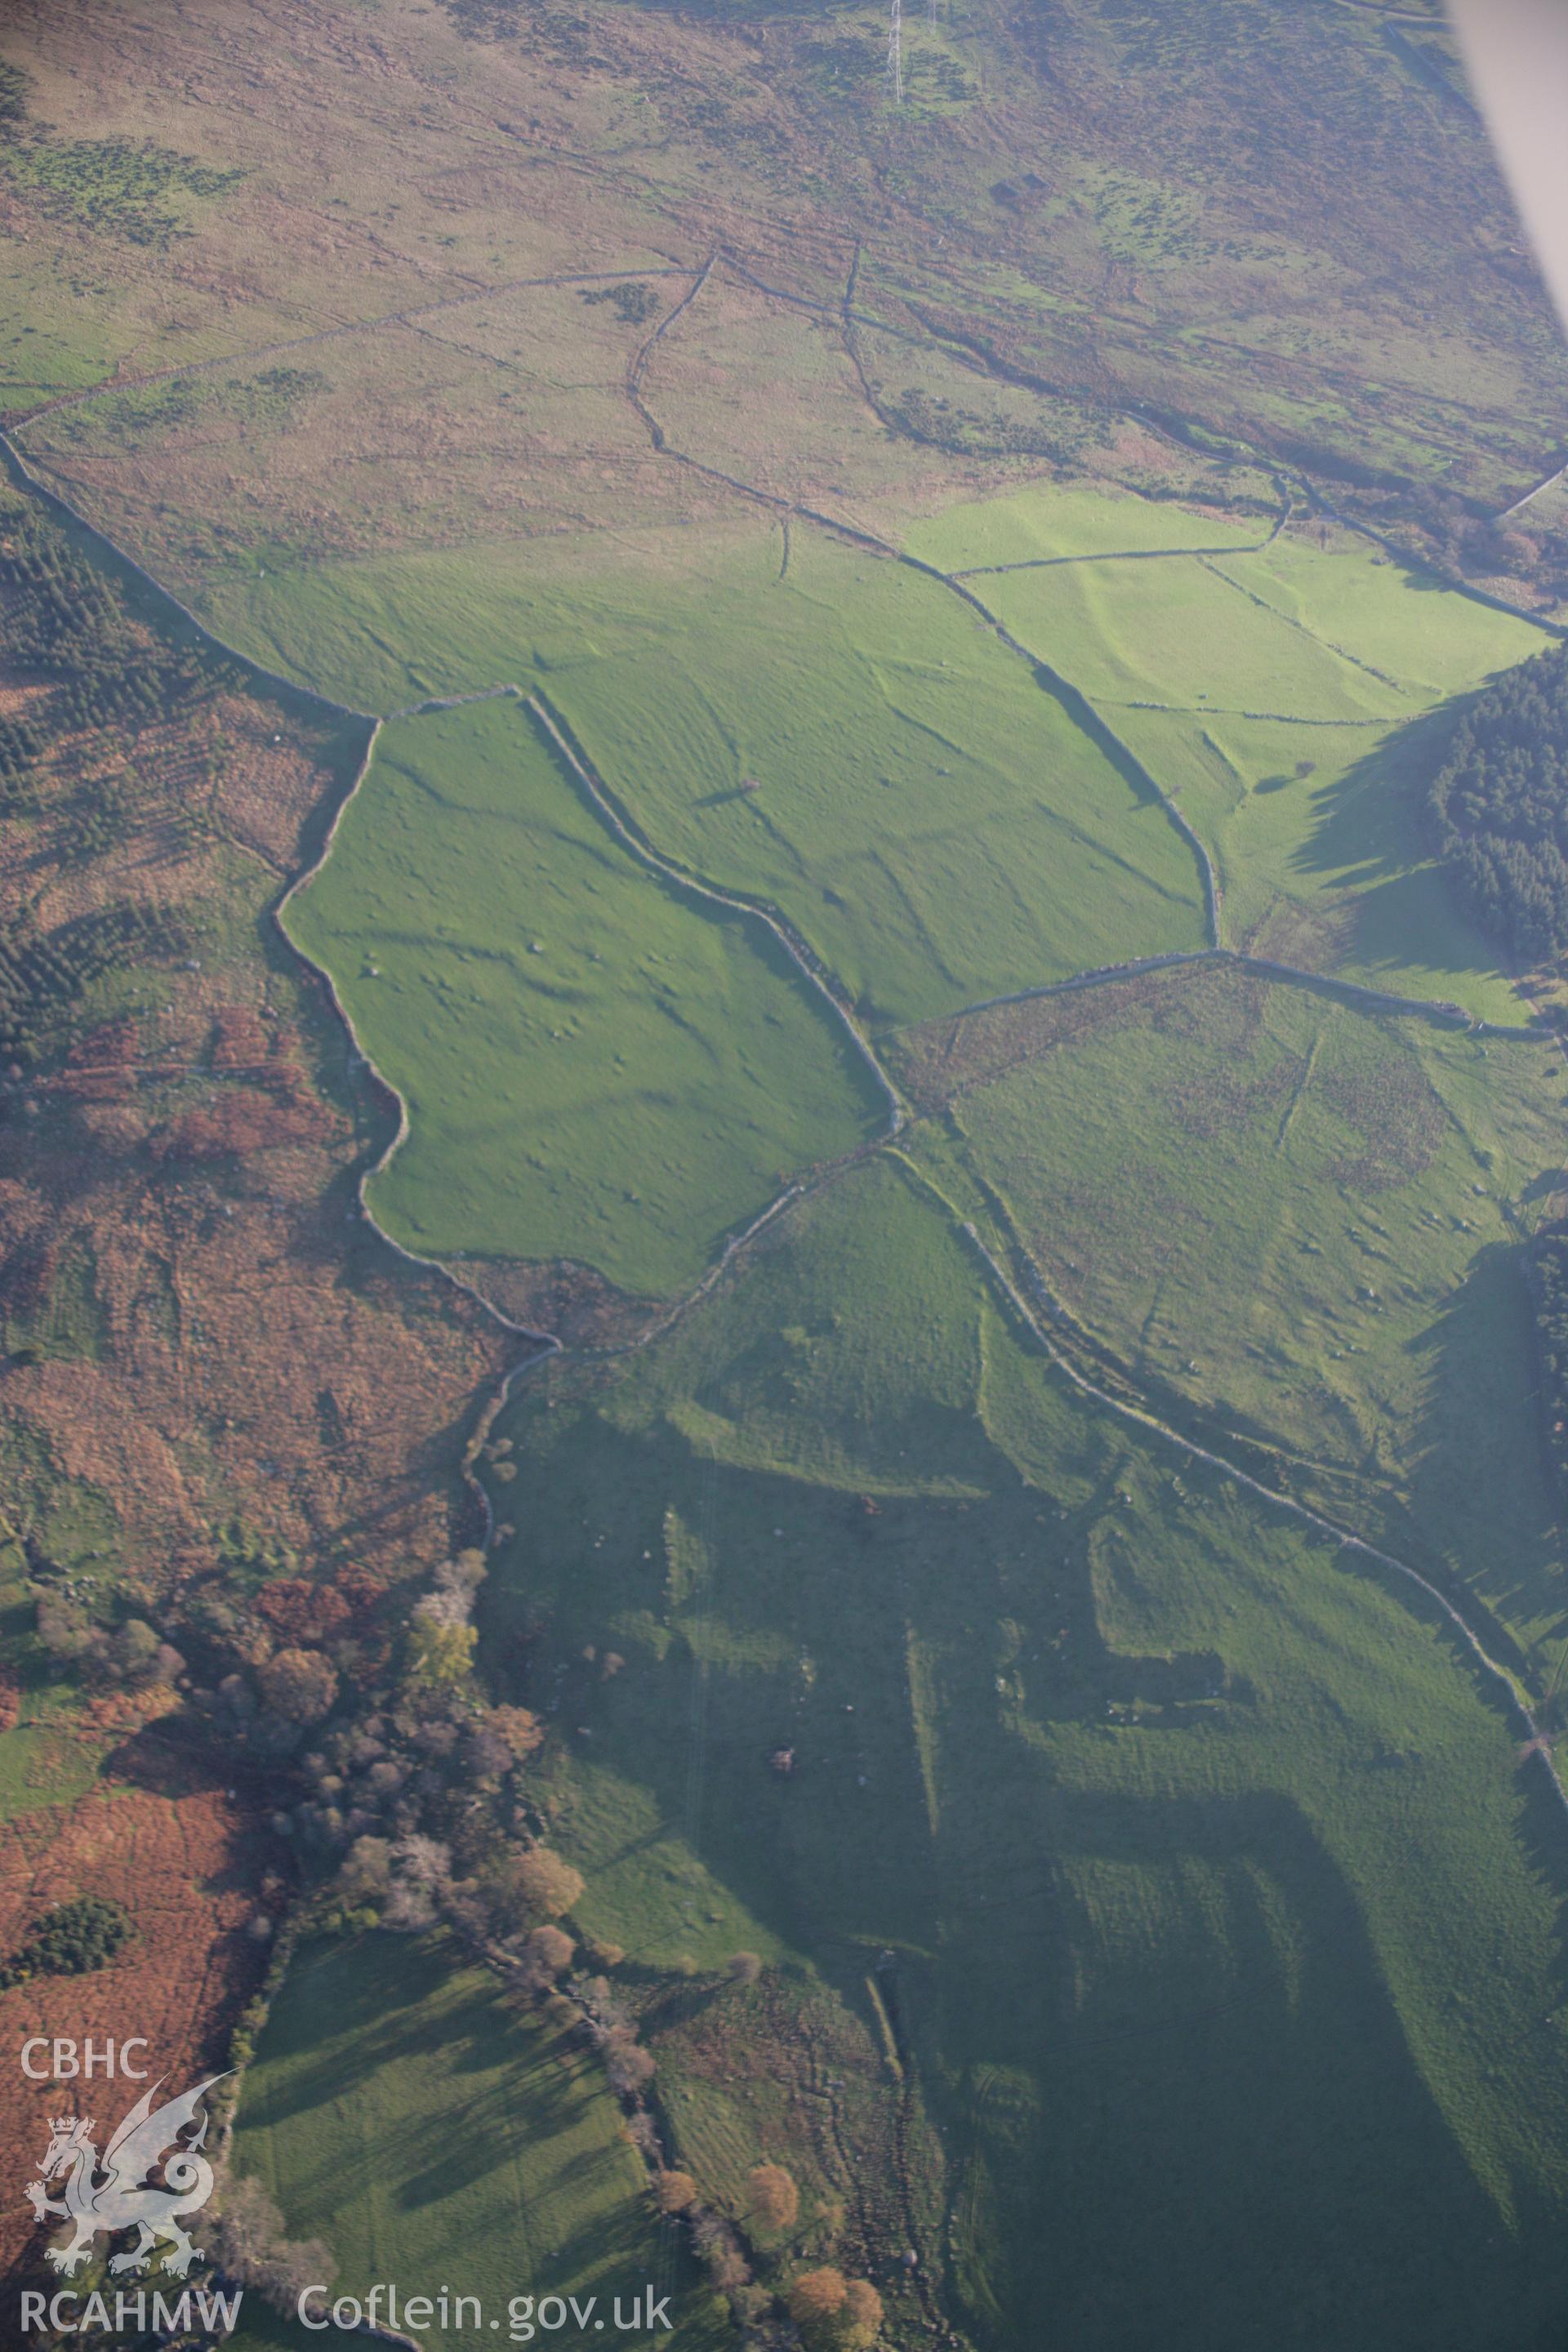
point(933, 820)
point(1125, 1816)
point(1051, 524)
point(1288, 698)
point(384, 633)
point(930, 818)
point(1285, 696)
point(598, 1066)
point(1306, 1222)
point(51, 1754)
point(433, 2133)
point(1181, 634)
point(1356, 598)
point(1332, 871)
point(47, 1760)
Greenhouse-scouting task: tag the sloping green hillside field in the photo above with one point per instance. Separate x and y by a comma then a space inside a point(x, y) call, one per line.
point(403, 2111)
point(895, 893)
point(1282, 692)
point(1125, 1813)
point(1144, 1821)
point(1310, 1233)
point(598, 1064)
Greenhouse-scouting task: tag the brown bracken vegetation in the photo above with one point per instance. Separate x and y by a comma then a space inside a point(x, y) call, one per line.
point(221, 1393)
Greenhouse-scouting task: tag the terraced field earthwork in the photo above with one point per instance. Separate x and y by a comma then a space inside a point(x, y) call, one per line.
point(598, 1063)
point(1121, 1811)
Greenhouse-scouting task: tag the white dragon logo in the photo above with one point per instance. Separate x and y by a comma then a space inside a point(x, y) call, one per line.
point(124, 2199)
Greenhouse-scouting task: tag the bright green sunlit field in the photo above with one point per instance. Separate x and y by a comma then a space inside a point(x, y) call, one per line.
point(598, 1064)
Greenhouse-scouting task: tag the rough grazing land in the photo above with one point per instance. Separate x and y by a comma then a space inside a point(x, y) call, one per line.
point(1230, 220)
point(1310, 1236)
point(186, 1862)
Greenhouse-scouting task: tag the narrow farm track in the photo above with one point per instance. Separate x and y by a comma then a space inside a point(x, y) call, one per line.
point(645, 352)
point(409, 316)
point(1120, 555)
point(1392, 15)
point(1230, 710)
point(1349, 992)
point(1131, 554)
point(1549, 482)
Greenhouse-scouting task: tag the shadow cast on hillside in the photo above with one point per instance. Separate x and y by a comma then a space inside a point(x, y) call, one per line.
point(1258, 2020)
point(1481, 1475)
point(1370, 835)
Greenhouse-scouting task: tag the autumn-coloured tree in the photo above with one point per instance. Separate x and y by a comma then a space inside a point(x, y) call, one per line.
point(863, 2315)
point(720, 2252)
point(367, 1875)
point(674, 2191)
point(629, 2067)
point(727, 2268)
point(440, 1654)
point(530, 1889)
point(360, 1588)
point(549, 1951)
point(485, 1757)
point(834, 2313)
point(301, 1612)
point(244, 2231)
point(775, 2200)
point(299, 1685)
point(743, 1967)
point(519, 1726)
point(440, 1638)
point(816, 2298)
point(549, 1886)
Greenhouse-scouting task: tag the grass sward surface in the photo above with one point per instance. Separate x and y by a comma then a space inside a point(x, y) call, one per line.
point(1180, 1834)
point(932, 819)
point(930, 816)
point(1066, 524)
point(433, 2134)
point(48, 1756)
point(597, 1066)
point(1285, 693)
point(1304, 1220)
point(45, 1760)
